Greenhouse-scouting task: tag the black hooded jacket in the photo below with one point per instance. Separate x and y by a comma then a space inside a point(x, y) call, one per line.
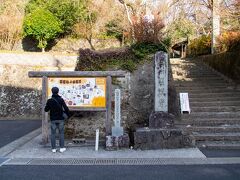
point(55, 111)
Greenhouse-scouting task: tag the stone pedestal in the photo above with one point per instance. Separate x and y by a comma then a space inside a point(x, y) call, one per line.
point(161, 138)
point(117, 142)
point(161, 132)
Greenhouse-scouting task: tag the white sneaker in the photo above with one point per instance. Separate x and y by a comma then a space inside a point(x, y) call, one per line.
point(62, 149)
point(54, 150)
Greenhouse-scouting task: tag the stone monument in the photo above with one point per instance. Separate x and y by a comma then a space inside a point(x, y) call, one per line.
point(161, 132)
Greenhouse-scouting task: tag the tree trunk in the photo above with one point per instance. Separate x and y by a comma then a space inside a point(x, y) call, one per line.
point(90, 42)
point(215, 24)
point(129, 18)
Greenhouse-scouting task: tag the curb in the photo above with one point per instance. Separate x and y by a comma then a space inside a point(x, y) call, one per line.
point(123, 161)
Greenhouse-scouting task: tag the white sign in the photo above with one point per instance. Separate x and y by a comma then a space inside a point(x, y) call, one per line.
point(97, 140)
point(184, 101)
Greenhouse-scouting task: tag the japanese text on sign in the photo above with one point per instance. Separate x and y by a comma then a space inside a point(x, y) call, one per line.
point(80, 92)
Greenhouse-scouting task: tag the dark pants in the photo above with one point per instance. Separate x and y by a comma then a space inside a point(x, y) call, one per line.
point(57, 124)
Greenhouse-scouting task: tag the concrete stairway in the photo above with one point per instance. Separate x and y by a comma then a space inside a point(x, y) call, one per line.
point(214, 103)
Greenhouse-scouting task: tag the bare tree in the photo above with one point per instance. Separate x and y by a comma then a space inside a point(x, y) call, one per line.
point(11, 19)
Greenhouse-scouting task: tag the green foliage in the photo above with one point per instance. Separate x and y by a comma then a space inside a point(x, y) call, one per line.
point(180, 29)
point(42, 25)
point(114, 30)
point(141, 50)
point(129, 65)
point(199, 46)
point(69, 12)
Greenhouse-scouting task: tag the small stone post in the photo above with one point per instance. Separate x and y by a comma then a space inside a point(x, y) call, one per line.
point(117, 130)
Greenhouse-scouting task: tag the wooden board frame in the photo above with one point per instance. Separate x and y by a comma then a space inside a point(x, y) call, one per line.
point(46, 74)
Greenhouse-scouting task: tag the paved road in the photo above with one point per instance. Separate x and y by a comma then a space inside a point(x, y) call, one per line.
point(221, 153)
point(11, 130)
point(196, 172)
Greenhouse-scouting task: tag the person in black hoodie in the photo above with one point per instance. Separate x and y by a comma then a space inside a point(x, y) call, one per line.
point(57, 106)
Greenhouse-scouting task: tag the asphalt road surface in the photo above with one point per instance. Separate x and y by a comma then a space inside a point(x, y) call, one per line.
point(173, 172)
point(11, 130)
point(221, 153)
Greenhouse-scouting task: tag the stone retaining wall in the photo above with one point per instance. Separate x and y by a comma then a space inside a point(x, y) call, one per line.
point(20, 96)
point(226, 63)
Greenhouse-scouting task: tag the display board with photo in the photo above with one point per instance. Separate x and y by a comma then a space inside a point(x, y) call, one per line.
point(80, 92)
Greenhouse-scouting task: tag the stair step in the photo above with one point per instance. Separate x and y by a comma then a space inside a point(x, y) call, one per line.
point(206, 95)
point(185, 86)
point(200, 78)
point(194, 75)
point(209, 122)
point(217, 136)
point(211, 115)
point(214, 99)
point(214, 103)
point(210, 90)
point(210, 75)
point(180, 75)
point(190, 67)
point(204, 88)
point(210, 83)
point(212, 129)
point(219, 145)
point(216, 109)
point(184, 72)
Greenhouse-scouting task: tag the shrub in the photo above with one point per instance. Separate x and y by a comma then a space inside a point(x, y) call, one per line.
point(229, 41)
point(120, 58)
point(141, 50)
point(69, 12)
point(42, 25)
point(114, 30)
point(102, 60)
point(147, 29)
point(199, 46)
point(10, 31)
point(11, 19)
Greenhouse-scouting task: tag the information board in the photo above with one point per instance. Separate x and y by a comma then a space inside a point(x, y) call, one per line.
point(80, 92)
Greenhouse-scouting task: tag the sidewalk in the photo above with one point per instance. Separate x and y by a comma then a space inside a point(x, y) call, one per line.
point(29, 151)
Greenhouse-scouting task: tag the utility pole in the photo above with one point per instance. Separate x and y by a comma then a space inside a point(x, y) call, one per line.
point(215, 24)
